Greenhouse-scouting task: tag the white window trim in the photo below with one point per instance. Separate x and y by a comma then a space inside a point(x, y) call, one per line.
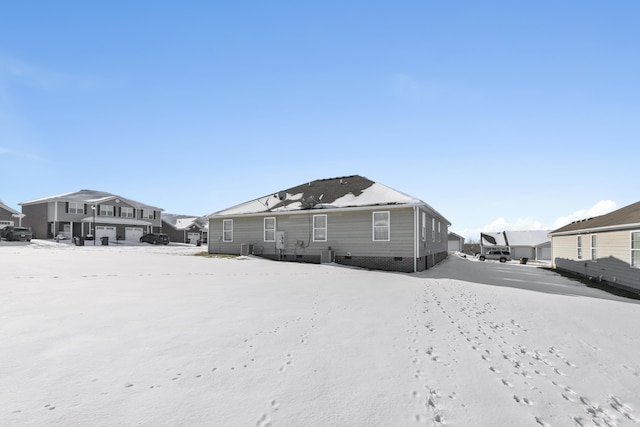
point(594, 248)
point(105, 211)
point(373, 226)
point(325, 228)
point(424, 226)
point(225, 231)
point(439, 233)
point(77, 208)
point(579, 246)
point(130, 210)
point(147, 214)
point(433, 229)
point(632, 249)
point(265, 229)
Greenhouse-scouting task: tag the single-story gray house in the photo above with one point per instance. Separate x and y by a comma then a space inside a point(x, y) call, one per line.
point(9, 217)
point(90, 214)
point(533, 244)
point(456, 242)
point(604, 248)
point(185, 228)
point(349, 220)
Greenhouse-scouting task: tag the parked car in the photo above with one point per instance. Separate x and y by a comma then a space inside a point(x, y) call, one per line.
point(17, 233)
point(155, 239)
point(501, 255)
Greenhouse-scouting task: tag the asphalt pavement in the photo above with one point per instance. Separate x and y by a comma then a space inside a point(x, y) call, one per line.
point(514, 275)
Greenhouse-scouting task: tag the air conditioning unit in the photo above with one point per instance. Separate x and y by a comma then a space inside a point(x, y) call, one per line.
point(246, 249)
point(326, 256)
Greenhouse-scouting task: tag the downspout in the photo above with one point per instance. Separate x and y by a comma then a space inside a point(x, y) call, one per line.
point(55, 219)
point(415, 239)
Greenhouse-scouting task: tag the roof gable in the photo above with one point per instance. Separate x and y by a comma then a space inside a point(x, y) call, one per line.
point(182, 222)
point(626, 216)
point(341, 192)
point(7, 208)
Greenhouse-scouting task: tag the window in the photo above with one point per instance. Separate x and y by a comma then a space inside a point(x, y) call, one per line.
point(147, 214)
point(270, 229)
point(424, 227)
point(594, 247)
point(635, 249)
point(106, 210)
point(126, 212)
point(227, 230)
point(319, 228)
point(381, 226)
point(76, 208)
point(579, 247)
point(439, 233)
point(433, 229)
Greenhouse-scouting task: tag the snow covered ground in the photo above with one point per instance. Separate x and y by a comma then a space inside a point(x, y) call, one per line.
point(142, 335)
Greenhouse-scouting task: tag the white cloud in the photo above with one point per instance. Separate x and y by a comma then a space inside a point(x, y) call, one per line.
point(528, 223)
point(532, 223)
point(600, 208)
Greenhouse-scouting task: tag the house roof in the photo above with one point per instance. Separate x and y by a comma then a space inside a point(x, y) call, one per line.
point(628, 216)
point(331, 193)
point(91, 197)
point(454, 236)
point(7, 208)
point(515, 238)
point(182, 222)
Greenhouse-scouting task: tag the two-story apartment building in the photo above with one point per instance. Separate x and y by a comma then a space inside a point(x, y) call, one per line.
point(90, 214)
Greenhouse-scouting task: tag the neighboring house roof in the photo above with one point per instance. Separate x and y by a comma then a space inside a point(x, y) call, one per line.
point(515, 238)
point(331, 193)
point(626, 217)
point(454, 236)
point(8, 209)
point(182, 222)
point(89, 196)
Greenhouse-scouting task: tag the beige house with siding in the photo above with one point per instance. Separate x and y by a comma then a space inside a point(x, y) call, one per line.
point(349, 220)
point(605, 248)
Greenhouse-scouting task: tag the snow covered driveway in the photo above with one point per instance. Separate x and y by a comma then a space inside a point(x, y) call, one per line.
point(123, 336)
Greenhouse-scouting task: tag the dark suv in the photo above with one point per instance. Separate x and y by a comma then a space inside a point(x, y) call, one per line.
point(155, 239)
point(22, 234)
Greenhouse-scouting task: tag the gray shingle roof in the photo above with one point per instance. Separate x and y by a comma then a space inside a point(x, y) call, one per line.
point(332, 193)
point(628, 216)
point(88, 196)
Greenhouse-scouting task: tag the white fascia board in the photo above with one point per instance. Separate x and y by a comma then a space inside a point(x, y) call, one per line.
point(596, 229)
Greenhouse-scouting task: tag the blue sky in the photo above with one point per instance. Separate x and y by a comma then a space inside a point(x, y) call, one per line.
point(499, 114)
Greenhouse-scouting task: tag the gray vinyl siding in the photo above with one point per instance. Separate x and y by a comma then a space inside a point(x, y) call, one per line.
point(349, 236)
point(5, 215)
point(347, 232)
point(35, 217)
point(613, 263)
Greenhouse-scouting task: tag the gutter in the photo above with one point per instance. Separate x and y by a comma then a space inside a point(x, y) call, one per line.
point(415, 239)
point(596, 229)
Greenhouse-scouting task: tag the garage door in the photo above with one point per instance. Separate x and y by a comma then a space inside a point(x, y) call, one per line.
point(193, 238)
point(133, 234)
point(103, 230)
